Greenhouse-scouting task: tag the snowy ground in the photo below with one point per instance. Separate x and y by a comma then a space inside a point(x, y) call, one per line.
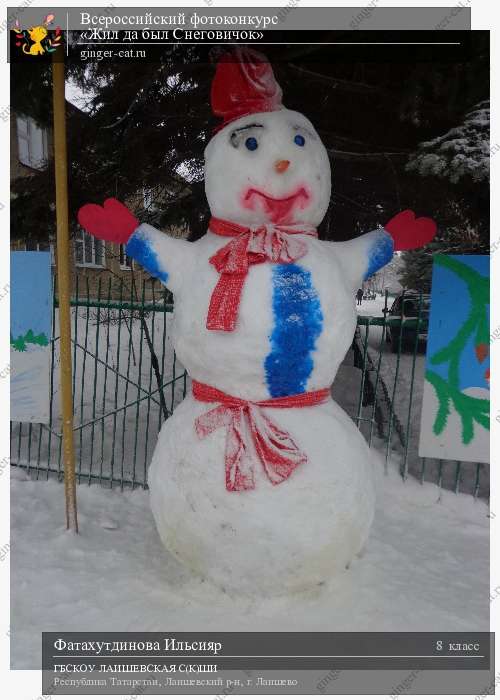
point(426, 567)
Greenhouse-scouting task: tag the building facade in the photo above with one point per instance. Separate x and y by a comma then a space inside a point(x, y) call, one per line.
point(98, 268)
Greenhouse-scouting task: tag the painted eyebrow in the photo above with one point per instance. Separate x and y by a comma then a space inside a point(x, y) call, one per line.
point(249, 126)
point(302, 127)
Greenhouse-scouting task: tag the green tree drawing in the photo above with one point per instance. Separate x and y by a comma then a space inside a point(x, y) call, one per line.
point(20, 342)
point(476, 324)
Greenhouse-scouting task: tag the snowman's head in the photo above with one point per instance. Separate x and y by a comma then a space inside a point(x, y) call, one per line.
point(268, 167)
point(266, 164)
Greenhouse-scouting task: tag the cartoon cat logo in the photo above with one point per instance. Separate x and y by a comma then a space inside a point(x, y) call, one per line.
point(38, 39)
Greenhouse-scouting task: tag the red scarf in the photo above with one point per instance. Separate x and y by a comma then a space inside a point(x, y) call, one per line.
point(277, 452)
point(250, 246)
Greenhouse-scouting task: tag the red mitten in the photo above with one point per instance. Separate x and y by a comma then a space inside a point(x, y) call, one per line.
point(111, 222)
point(409, 232)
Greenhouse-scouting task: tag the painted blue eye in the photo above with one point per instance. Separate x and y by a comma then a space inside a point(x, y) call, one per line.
point(299, 139)
point(251, 143)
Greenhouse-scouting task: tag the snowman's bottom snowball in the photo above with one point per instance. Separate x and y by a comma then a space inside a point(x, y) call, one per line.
point(275, 539)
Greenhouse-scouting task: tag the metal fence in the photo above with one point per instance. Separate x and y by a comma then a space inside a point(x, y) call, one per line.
point(127, 381)
point(390, 352)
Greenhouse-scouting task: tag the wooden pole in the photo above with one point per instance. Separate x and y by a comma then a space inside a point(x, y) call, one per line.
point(64, 290)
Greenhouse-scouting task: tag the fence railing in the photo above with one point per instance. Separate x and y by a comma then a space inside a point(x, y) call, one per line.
point(390, 352)
point(127, 380)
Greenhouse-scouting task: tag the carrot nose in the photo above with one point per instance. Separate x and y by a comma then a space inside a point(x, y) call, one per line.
point(281, 165)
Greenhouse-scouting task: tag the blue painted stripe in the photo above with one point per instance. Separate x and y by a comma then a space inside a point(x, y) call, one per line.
point(298, 322)
point(380, 253)
point(140, 248)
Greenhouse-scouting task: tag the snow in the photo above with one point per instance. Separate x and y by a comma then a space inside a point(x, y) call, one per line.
point(298, 532)
point(425, 568)
point(233, 173)
point(372, 307)
point(291, 333)
point(187, 474)
point(463, 151)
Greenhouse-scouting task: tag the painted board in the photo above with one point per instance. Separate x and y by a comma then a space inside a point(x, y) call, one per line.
point(456, 399)
point(30, 334)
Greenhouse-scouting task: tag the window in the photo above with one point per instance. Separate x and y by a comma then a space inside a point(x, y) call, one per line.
point(125, 260)
point(41, 246)
point(31, 143)
point(89, 251)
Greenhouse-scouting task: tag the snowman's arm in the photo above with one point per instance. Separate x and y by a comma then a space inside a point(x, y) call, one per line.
point(363, 256)
point(162, 256)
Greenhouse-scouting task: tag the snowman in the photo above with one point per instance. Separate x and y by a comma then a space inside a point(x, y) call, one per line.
point(259, 481)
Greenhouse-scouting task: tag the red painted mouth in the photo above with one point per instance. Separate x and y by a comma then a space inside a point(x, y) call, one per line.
point(278, 209)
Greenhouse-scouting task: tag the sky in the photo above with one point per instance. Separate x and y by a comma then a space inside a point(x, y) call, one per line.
point(74, 95)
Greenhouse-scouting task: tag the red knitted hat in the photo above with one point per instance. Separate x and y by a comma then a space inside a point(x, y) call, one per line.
point(244, 83)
